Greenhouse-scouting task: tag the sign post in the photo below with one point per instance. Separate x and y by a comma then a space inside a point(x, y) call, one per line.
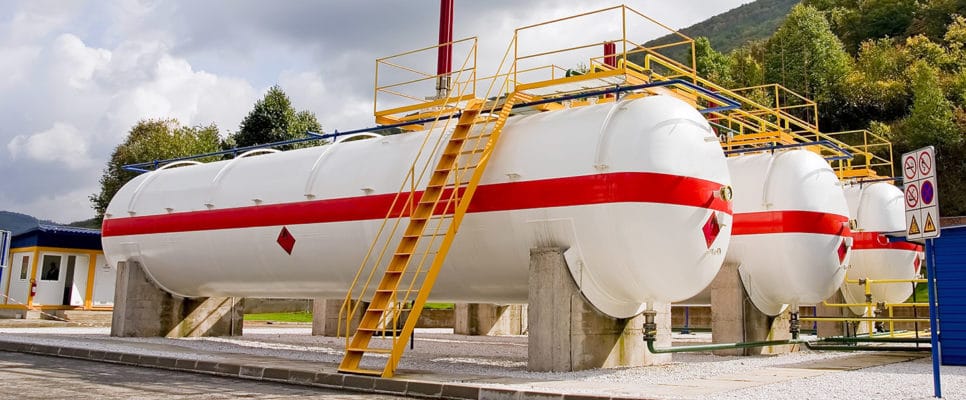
point(921, 195)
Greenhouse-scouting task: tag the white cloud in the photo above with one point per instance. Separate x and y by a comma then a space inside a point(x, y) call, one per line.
point(73, 61)
point(15, 62)
point(57, 206)
point(61, 143)
point(334, 105)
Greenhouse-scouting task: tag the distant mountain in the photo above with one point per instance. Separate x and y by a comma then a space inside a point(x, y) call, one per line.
point(17, 222)
point(727, 31)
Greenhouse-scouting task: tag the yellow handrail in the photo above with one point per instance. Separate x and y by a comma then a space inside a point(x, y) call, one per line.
point(413, 180)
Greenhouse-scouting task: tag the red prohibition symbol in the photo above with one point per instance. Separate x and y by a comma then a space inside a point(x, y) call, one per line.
point(912, 196)
point(909, 166)
point(925, 163)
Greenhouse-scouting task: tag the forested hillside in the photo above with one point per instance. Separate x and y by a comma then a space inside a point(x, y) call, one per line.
point(894, 67)
point(753, 21)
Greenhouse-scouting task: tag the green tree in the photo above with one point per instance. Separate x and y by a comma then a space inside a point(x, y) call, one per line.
point(933, 17)
point(877, 89)
point(746, 67)
point(273, 119)
point(805, 56)
point(933, 121)
point(151, 140)
point(930, 120)
point(710, 63)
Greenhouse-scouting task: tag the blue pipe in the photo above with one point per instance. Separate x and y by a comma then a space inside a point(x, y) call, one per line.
point(826, 143)
point(729, 104)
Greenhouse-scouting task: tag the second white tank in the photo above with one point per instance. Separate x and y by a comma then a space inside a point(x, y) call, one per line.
point(791, 236)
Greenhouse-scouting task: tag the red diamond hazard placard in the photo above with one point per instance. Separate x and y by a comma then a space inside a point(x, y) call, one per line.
point(286, 240)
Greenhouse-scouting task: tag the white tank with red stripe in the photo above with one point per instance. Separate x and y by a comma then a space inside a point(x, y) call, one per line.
point(630, 189)
point(878, 209)
point(791, 231)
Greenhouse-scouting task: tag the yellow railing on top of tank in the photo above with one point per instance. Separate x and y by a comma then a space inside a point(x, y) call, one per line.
point(768, 125)
point(590, 32)
point(408, 85)
point(873, 156)
point(782, 99)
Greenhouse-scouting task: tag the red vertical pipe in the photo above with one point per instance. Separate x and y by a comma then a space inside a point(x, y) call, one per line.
point(610, 54)
point(444, 60)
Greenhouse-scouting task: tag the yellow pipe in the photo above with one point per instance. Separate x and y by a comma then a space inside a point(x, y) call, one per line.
point(845, 304)
point(874, 281)
point(907, 305)
point(848, 319)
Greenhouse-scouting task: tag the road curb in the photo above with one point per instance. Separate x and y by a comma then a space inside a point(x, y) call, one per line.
point(261, 371)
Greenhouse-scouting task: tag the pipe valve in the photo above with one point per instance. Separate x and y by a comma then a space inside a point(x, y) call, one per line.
point(650, 327)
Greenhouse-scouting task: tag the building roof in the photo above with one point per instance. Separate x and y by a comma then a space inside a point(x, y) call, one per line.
point(48, 235)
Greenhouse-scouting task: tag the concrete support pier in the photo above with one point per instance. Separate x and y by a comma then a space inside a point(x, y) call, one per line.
point(734, 318)
point(489, 319)
point(325, 317)
point(568, 334)
point(142, 309)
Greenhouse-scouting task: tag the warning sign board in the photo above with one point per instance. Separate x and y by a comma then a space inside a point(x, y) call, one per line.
point(921, 193)
point(929, 225)
point(914, 226)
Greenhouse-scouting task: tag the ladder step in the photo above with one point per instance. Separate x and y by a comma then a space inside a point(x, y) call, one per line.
point(369, 350)
point(360, 371)
point(382, 310)
point(395, 291)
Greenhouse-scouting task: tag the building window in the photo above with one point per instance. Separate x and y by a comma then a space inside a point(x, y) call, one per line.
point(23, 267)
point(51, 270)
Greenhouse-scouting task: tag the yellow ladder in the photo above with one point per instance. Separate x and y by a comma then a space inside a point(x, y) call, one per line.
point(445, 198)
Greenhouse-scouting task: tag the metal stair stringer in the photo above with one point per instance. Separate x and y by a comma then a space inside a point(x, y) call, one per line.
point(388, 289)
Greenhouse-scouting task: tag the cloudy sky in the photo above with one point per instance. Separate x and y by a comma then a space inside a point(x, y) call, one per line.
point(76, 75)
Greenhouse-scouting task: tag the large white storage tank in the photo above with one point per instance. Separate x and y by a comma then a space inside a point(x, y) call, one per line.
point(791, 233)
point(631, 189)
point(877, 209)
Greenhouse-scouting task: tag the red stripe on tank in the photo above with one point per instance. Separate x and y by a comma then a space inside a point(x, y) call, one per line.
point(876, 240)
point(766, 222)
point(623, 187)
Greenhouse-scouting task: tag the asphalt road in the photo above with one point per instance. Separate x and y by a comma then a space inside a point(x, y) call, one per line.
point(27, 376)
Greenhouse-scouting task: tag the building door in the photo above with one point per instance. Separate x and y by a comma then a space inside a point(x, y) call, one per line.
point(50, 283)
point(69, 279)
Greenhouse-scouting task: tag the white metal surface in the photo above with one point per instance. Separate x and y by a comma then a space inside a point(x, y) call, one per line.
point(791, 218)
point(622, 254)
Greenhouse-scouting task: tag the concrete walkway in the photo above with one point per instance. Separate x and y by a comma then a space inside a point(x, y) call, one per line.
point(413, 382)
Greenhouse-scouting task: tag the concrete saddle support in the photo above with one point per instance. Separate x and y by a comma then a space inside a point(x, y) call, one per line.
point(142, 309)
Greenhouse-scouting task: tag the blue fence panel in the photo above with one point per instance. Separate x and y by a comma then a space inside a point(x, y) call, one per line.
point(951, 288)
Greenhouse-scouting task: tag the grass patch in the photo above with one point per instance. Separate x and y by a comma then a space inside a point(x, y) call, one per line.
point(300, 316)
point(439, 306)
point(921, 294)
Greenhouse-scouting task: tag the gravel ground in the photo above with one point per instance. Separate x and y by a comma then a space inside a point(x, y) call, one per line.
point(503, 361)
